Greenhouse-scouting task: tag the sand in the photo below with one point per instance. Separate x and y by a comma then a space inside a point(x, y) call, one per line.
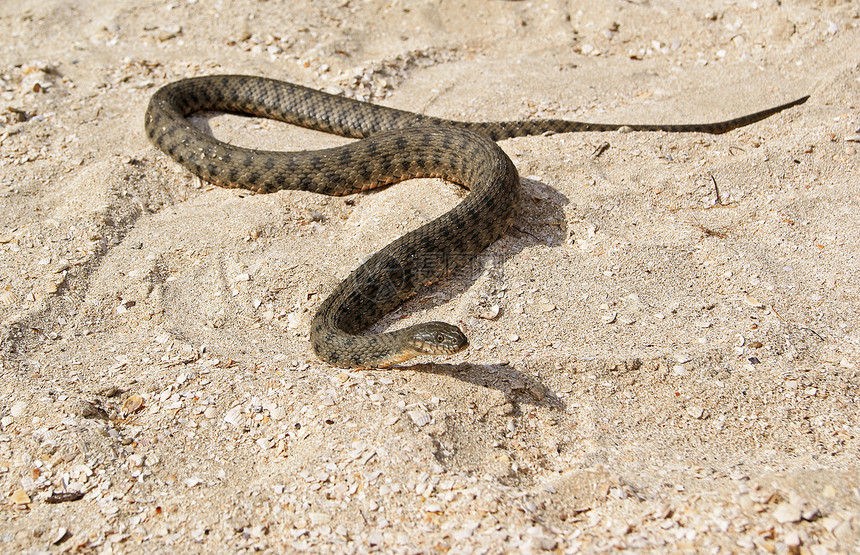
point(665, 348)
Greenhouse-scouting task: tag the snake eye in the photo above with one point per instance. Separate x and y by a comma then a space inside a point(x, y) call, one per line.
point(440, 338)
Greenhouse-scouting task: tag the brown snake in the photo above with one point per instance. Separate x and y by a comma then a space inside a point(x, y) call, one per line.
point(396, 145)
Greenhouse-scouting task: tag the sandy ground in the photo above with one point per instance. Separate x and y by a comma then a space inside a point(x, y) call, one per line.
point(668, 370)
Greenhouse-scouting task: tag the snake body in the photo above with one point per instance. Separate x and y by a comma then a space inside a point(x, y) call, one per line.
point(396, 145)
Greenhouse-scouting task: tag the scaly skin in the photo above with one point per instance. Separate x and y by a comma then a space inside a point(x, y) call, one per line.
point(396, 145)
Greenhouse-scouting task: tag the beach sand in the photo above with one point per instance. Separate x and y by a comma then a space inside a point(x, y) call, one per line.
point(664, 349)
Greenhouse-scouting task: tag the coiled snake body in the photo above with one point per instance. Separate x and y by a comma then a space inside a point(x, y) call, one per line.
point(396, 145)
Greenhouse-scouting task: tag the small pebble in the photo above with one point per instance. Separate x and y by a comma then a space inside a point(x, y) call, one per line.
point(132, 405)
point(792, 538)
point(696, 411)
point(18, 409)
point(753, 302)
point(318, 519)
point(19, 497)
point(491, 313)
point(277, 413)
point(419, 417)
point(787, 512)
point(830, 524)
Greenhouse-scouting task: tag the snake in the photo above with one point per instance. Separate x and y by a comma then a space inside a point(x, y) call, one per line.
point(393, 146)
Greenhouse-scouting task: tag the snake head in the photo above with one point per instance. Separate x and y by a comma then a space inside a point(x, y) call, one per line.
point(436, 338)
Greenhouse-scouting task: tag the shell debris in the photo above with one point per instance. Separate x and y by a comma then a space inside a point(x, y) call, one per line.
point(7, 298)
point(132, 405)
point(420, 418)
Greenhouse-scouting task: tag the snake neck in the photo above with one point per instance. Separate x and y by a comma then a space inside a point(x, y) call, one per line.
point(344, 349)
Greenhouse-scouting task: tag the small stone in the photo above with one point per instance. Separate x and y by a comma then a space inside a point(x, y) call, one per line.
point(753, 302)
point(810, 514)
point(621, 529)
point(419, 417)
point(792, 538)
point(132, 405)
point(18, 409)
point(491, 313)
point(167, 32)
point(19, 497)
point(277, 413)
point(318, 519)
point(679, 370)
point(198, 534)
point(844, 531)
point(243, 277)
point(696, 411)
point(786, 512)
point(830, 523)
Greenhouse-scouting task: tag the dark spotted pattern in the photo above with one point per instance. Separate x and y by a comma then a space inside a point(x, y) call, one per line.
point(396, 145)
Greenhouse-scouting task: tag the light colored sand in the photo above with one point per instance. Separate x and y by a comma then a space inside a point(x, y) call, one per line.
point(665, 372)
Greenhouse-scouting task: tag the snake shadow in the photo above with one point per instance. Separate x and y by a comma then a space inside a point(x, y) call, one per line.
point(518, 387)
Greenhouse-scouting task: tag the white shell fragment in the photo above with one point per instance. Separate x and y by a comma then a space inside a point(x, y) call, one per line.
point(420, 418)
point(7, 298)
point(490, 313)
point(787, 512)
point(753, 302)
